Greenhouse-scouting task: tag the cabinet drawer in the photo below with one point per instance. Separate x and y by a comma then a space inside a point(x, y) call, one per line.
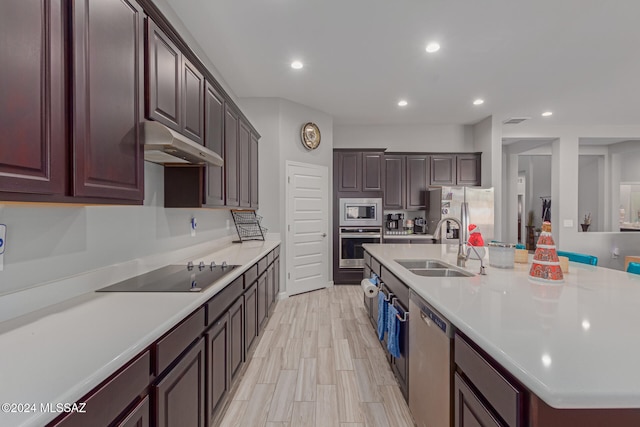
point(262, 265)
point(250, 275)
point(270, 257)
point(169, 347)
point(504, 397)
point(394, 284)
point(110, 399)
point(367, 258)
point(219, 303)
point(375, 267)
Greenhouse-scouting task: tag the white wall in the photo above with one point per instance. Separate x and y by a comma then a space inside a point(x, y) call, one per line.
point(279, 122)
point(565, 188)
point(487, 138)
point(419, 138)
point(47, 243)
point(630, 166)
point(591, 190)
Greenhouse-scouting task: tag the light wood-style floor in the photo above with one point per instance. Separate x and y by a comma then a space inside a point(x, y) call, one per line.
point(318, 363)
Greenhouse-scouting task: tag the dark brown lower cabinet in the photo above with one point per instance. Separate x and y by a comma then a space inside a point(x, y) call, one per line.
point(236, 333)
point(262, 301)
point(180, 395)
point(251, 317)
point(138, 416)
point(271, 296)
point(218, 342)
point(469, 409)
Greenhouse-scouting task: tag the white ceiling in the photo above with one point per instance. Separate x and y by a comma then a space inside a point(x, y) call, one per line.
point(577, 58)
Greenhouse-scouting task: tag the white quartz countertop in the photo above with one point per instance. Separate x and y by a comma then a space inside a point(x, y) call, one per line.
point(414, 236)
point(58, 354)
point(575, 345)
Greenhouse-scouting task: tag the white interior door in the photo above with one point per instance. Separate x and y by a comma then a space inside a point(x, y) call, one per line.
point(307, 227)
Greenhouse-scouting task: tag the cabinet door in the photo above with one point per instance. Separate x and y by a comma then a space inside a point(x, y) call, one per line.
point(236, 332)
point(231, 157)
point(138, 416)
point(218, 342)
point(164, 62)
point(251, 317)
point(253, 154)
point(192, 122)
point(214, 140)
point(394, 182)
point(349, 170)
point(469, 411)
point(33, 147)
point(244, 142)
point(271, 290)
point(108, 99)
point(276, 279)
point(400, 365)
point(372, 171)
point(443, 169)
point(417, 181)
point(262, 302)
point(180, 395)
point(468, 169)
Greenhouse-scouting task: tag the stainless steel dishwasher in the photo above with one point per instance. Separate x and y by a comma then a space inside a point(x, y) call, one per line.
point(430, 365)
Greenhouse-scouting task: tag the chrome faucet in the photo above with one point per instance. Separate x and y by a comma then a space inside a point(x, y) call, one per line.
point(462, 253)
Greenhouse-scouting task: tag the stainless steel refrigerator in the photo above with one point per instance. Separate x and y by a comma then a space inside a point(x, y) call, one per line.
point(446, 202)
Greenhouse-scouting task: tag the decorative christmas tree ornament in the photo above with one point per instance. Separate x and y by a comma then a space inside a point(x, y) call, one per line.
point(546, 266)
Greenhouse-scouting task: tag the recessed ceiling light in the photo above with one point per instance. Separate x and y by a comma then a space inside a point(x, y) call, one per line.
point(547, 114)
point(478, 101)
point(402, 103)
point(433, 47)
point(296, 65)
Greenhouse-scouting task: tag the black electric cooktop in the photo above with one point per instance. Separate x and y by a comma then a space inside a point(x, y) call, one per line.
point(173, 278)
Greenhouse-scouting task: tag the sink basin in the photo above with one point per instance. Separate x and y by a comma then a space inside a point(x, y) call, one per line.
point(440, 272)
point(422, 264)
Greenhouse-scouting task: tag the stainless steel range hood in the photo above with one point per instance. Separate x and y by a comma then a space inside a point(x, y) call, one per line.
point(163, 145)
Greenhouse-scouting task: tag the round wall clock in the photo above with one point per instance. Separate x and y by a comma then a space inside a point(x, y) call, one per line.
point(310, 136)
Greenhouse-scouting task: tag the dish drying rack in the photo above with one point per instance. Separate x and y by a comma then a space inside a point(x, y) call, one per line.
point(248, 225)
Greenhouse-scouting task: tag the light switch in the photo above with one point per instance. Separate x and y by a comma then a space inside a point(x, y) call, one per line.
point(568, 223)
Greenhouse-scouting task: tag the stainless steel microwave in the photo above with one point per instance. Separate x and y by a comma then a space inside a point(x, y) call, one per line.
point(361, 212)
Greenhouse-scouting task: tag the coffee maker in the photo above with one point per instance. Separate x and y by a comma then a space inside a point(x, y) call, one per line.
point(419, 225)
point(394, 221)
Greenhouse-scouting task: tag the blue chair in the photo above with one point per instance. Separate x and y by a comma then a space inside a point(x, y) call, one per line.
point(581, 258)
point(633, 267)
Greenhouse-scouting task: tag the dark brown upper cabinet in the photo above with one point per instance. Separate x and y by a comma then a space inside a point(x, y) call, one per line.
point(406, 180)
point(193, 88)
point(443, 169)
point(214, 109)
point(372, 171)
point(456, 169)
point(349, 170)
point(244, 162)
point(417, 181)
point(108, 64)
point(394, 181)
point(176, 88)
point(231, 157)
point(468, 169)
point(253, 154)
point(164, 62)
point(33, 148)
point(359, 171)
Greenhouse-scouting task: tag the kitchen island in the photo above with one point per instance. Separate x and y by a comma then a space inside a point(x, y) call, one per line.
point(573, 347)
point(58, 354)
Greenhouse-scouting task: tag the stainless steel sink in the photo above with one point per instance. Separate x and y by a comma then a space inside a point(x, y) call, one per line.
point(422, 263)
point(440, 272)
point(432, 268)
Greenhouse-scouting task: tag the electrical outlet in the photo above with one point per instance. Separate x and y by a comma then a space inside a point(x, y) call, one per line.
point(615, 253)
point(3, 244)
point(568, 223)
point(194, 225)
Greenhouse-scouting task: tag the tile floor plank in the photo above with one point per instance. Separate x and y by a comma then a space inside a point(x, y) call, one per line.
point(258, 406)
point(326, 366)
point(304, 414)
point(342, 355)
point(305, 387)
point(282, 400)
point(327, 406)
point(348, 402)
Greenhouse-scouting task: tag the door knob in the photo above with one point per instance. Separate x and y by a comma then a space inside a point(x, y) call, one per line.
point(324, 234)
